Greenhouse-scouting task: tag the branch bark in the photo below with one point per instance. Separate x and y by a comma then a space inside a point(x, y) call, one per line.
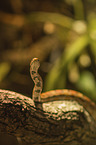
point(58, 122)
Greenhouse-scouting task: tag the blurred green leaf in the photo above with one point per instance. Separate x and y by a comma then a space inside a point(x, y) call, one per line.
point(78, 9)
point(4, 70)
point(55, 18)
point(87, 84)
point(74, 49)
point(92, 33)
point(60, 67)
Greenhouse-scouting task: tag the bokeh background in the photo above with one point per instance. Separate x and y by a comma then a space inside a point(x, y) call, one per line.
point(62, 34)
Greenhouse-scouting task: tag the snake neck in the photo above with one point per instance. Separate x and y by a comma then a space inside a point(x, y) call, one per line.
point(36, 94)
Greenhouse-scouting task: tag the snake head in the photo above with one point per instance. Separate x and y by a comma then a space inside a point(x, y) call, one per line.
point(35, 64)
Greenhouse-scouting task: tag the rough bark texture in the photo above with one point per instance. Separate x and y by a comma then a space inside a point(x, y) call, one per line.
point(58, 122)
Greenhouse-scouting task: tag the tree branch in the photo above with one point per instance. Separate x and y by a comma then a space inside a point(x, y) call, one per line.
point(59, 122)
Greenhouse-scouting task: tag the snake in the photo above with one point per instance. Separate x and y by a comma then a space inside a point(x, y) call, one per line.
point(56, 95)
point(34, 66)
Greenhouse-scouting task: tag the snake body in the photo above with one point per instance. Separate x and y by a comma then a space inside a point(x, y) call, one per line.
point(34, 65)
